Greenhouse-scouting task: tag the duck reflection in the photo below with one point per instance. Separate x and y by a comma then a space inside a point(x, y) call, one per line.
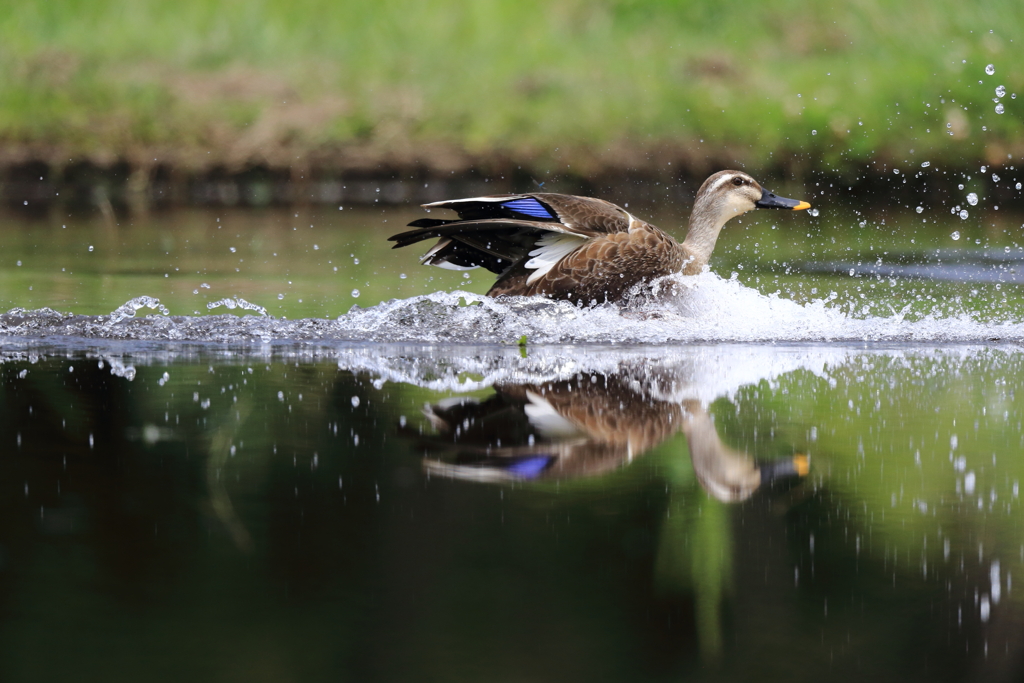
point(586, 427)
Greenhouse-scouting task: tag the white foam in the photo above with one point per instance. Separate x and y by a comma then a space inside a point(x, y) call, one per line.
point(681, 309)
point(701, 308)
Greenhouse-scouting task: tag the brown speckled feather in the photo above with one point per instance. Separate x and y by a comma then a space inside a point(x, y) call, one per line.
point(603, 268)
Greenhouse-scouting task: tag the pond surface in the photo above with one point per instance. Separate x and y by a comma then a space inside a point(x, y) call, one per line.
point(802, 465)
point(724, 512)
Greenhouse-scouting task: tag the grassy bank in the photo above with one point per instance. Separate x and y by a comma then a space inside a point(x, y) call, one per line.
point(446, 85)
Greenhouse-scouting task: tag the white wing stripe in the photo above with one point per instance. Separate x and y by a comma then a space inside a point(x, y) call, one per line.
point(551, 248)
point(503, 198)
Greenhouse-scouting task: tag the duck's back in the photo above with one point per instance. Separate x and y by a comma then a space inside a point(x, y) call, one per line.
point(561, 246)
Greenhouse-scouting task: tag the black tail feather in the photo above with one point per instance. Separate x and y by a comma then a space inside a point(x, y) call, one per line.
point(492, 243)
point(425, 229)
point(431, 222)
point(467, 256)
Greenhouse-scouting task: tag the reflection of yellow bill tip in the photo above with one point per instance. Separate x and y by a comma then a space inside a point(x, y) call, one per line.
point(802, 463)
point(801, 205)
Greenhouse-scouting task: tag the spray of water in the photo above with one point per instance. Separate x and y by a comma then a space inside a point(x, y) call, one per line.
point(677, 309)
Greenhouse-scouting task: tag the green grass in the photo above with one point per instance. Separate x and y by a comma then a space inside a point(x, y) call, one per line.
point(590, 84)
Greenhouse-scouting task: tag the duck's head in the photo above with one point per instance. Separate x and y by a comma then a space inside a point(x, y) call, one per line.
point(722, 197)
point(728, 194)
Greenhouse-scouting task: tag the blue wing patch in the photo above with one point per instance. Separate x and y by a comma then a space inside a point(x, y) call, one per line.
point(530, 467)
point(528, 206)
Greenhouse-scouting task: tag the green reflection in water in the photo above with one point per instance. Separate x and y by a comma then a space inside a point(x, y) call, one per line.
point(281, 514)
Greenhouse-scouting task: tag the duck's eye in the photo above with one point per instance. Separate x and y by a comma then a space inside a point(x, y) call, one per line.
point(738, 181)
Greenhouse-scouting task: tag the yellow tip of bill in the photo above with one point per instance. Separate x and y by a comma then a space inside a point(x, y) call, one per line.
point(802, 463)
point(801, 205)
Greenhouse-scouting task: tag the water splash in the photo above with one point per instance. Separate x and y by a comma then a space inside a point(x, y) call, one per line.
point(130, 308)
point(232, 303)
point(675, 309)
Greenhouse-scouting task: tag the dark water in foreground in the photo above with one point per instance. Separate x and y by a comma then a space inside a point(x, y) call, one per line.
point(368, 512)
point(313, 459)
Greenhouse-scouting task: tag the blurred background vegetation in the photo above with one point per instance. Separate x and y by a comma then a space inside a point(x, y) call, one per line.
point(570, 86)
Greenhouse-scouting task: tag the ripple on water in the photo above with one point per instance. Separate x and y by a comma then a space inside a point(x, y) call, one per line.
point(702, 308)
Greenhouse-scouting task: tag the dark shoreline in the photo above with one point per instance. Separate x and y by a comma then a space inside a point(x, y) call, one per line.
point(123, 184)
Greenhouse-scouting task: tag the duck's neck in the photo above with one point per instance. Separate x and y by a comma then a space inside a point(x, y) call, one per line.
point(705, 224)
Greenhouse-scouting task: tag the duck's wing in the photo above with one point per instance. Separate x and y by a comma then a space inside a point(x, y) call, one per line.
point(498, 231)
point(583, 216)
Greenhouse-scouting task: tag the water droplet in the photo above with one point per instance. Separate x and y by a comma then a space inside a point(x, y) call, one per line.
point(402, 276)
point(355, 401)
point(1018, 186)
point(233, 250)
point(90, 247)
point(896, 171)
point(925, 164)
point(814, 132)
point(995, 178)
point(813, 212)
point(316, 247)
point(972, 199)
point(355, 293)
point(990, 69)
point(1001, 91)
point(961, 185)
point(355, 261)
point(956, 234)
point(280, 297)
point(1000, 109)
point(963, 214)
point(919, 209)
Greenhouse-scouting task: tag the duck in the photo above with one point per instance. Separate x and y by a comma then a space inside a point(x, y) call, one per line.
point(581, 249)
point(566, 430)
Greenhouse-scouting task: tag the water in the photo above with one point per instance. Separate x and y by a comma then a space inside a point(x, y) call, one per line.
point(802, 464)
point(297, 275)
point(711, 512)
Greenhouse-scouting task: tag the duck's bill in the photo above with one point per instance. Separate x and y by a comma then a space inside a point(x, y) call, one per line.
point(785, 468)
point(770, 200)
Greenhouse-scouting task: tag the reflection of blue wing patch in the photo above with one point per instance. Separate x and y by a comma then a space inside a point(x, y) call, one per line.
point(529, 468)
point(529, 207)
